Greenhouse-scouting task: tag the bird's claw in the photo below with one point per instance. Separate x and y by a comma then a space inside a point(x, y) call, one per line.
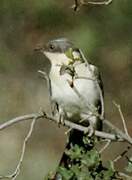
point(60, 120)
point(90, 130)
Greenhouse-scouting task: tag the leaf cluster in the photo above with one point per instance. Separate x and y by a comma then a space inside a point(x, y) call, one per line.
point(85, 164)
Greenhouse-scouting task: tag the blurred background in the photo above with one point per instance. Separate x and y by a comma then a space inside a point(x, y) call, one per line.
point(104, 33)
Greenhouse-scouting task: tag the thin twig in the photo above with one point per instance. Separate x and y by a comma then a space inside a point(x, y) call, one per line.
point(101, 134)
point(16, 172)
point(67, 123)
point(46, 77)
point(118, 131)
point(83, 77)
point(78, 3)
point(122, 117)
point(105, 2)
point(68, 131)
point(121, 155)
point(20, 119)
point(105, 146)
point(119, 136)
point(121, 174)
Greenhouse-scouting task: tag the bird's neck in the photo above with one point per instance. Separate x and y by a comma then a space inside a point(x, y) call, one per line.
point(57, 61)
point(55, 70)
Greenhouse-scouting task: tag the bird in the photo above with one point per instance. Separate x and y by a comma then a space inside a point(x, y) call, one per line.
point(75, 84)
point(76, 88)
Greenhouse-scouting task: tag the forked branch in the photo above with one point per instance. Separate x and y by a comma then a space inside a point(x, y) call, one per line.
point(78, 3)
point(118, 136)
point(17, 170)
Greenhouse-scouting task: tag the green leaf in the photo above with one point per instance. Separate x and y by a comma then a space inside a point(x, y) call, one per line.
point(66, 174)
point(69, 54)
point(76, 169)
point(129, 166)
point(91, 159)
point(90, 141)
point(81, 173)
point(110, 172)
point(75, 152)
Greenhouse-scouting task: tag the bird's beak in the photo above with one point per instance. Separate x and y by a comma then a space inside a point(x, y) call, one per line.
point(38, 48)
point(41, 49)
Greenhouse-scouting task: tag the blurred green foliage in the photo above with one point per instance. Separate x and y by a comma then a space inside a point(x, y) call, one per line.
point(129, 166)
point(86, 164)
point(102, 32)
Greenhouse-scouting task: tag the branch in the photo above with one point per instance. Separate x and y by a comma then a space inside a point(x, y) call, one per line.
point(19, 119)
point(122, 117)
point(105, 146)
point(79, 3)
point(105, 2)
point(118, 136)
point(121, 155)
point(16, 172)
point(118, 131)
point(127, 177)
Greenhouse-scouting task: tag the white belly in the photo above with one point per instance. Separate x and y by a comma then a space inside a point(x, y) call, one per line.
point(66, 96)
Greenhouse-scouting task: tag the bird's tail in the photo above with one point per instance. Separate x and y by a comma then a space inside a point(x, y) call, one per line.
point(75, 138)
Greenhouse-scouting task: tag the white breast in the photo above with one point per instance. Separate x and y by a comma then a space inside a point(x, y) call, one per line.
point(66, 96)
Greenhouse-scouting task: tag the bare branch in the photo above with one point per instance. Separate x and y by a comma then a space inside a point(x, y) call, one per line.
point(105, 2)
point(21, 118)
point(127, 177)
point(16, 172)
point(118, 136)
point(68, 131)
point(105, 146)
point(78, 3)
point(67, 123)
point(46, 77)
point(118, 131)
point(121, 155)
point(122, 117)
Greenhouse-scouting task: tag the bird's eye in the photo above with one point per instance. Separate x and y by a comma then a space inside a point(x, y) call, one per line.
point(52, 47)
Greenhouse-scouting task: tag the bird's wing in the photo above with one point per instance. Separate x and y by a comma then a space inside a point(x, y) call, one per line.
point(53, 104)
point(100, 102)
point(97, 75)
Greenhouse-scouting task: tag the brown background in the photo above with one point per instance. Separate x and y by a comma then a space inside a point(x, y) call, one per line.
point(104, 33)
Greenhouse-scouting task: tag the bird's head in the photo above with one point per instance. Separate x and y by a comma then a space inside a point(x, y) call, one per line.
point(60, 51)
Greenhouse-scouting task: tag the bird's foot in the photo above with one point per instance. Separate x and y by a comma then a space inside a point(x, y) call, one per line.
point(90, 130)
point(60, 120)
